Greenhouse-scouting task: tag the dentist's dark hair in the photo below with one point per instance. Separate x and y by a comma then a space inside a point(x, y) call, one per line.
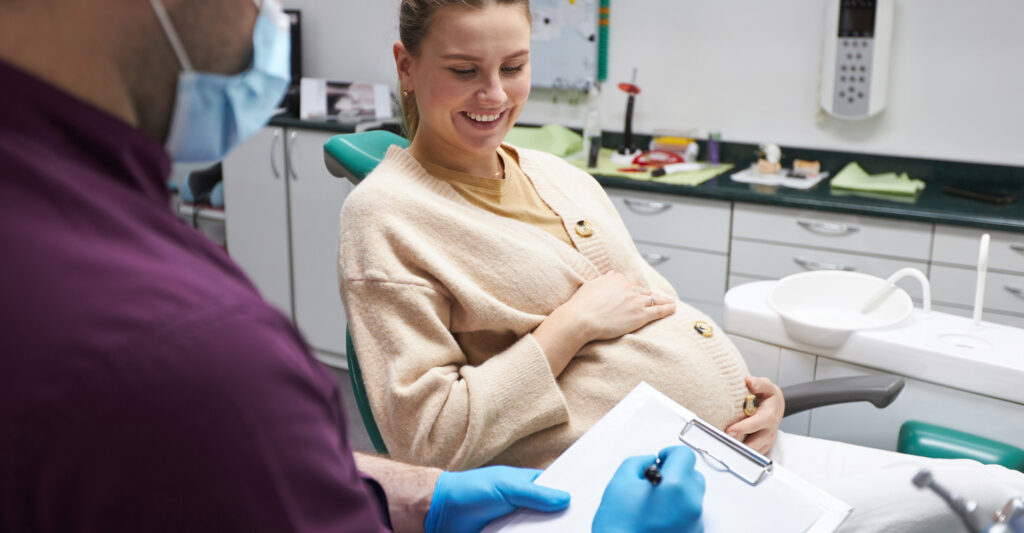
point(414, 20)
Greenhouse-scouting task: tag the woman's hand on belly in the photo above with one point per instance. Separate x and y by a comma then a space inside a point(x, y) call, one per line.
point(606, 307)
point(611, 306)
point(759, 430)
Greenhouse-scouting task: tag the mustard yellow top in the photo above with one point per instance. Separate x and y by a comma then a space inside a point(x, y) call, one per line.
point(511, 195)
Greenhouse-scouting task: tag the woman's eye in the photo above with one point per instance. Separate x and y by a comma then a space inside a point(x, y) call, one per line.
point(462, 72)
point(512, 70)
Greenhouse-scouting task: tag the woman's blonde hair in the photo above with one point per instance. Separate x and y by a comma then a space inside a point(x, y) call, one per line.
point(414, 20)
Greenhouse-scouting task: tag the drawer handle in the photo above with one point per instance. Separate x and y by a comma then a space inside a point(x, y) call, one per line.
point(1017, 248)
point(818, 265)
point(828, 228)
point(655, 259)
point(647, 207)
point(273, 154)
point(1016, 291)
point(291, 155)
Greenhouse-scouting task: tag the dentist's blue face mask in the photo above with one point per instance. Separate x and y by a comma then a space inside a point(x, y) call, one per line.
point(213, 113)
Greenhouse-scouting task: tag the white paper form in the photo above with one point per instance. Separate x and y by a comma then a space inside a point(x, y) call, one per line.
point(643, 423)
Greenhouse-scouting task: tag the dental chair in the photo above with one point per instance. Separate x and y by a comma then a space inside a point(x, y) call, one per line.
point(353, 156)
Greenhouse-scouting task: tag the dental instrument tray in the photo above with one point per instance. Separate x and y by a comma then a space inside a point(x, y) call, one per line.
point(785, 178)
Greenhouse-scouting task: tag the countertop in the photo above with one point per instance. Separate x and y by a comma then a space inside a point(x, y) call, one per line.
point(931, 206)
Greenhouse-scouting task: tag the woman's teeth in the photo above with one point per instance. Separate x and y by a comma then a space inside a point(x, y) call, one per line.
point(483, 118)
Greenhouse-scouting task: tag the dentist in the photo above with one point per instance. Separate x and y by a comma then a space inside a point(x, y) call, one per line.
point(144, 384)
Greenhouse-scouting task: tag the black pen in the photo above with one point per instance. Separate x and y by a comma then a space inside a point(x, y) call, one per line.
point(653, 473)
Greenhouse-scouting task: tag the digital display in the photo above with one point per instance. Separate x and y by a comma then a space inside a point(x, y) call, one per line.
point(857, 18)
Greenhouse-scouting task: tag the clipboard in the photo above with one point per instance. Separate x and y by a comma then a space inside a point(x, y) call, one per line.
point(724, 453)
point(644, 422)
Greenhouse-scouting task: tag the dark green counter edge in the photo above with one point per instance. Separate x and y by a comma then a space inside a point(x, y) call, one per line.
point(931, 206)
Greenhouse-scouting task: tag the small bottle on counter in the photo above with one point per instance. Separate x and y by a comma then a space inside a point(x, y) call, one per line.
point(713, 138)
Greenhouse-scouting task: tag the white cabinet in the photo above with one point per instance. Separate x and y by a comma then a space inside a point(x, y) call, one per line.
point(256, 215)
point(954, 273)
point(316, 198)
point(861, 423)
point(685, 239)
point(282, 209)
point(864, 424)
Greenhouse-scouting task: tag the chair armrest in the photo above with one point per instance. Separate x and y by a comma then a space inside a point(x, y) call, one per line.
point(879, 390)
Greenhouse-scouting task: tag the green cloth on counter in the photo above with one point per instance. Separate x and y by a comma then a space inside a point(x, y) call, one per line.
point(853, 177)
point(606, 167)
point(553, 139)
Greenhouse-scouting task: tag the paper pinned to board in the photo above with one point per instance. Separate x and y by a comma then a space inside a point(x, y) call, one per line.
point(643, 423)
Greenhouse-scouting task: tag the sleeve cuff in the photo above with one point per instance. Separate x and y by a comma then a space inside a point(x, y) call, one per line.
point(524, 395)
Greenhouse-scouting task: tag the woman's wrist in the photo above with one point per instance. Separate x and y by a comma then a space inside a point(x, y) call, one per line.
point(561, 335)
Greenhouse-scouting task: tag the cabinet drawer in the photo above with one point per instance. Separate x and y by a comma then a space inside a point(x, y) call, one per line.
point(773, 261)
point(960, 246)
point(697, 276)
point(849, 233)
point(1003, 292)
point(1016, 321)
point(674, 220)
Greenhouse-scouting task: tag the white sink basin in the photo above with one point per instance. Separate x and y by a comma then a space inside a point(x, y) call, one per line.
point(823, 308)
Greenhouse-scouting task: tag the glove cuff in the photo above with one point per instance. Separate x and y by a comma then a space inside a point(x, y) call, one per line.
point(435, 516)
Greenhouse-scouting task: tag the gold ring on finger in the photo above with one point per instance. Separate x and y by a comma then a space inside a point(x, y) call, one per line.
point(653, 301)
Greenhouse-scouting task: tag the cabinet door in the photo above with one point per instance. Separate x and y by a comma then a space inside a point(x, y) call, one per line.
point(256, 215)
point(316, 198)
point(861, 423)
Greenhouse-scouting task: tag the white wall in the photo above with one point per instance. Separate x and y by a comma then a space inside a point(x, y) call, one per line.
point(750, 69)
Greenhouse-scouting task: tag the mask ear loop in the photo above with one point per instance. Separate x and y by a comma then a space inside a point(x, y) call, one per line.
point(172, 36)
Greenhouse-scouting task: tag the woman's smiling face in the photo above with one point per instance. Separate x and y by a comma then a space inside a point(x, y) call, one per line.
point(471, 80)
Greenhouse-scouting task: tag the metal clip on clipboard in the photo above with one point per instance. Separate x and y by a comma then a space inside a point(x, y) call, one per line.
point(724, 453)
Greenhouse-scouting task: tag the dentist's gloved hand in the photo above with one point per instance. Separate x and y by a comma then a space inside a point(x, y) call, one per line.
point(631, 504)
point(464, 502)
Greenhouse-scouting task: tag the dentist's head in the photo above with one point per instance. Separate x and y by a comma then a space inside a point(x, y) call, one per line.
point(198, 75)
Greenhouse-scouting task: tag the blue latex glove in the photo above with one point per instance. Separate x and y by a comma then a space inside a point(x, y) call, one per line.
point(464, 502)
point(631, 504)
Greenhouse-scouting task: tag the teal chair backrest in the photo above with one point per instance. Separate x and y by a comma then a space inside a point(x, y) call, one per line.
point(929, 440)
point(353, 156)
point(355, 375)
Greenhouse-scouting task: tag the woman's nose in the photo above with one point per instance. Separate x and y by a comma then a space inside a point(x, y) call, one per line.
point(492, 92)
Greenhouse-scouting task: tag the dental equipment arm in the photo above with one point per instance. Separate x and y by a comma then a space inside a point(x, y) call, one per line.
point(879, 390)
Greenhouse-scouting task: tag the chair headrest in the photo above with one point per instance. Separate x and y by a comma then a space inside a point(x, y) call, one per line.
point(354, 155)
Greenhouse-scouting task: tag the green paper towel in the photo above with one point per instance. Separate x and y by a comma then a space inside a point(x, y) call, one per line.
point(854, 178)
point(553, 138)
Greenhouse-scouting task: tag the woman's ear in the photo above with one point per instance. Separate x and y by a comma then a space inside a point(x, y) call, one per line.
point(403, 62)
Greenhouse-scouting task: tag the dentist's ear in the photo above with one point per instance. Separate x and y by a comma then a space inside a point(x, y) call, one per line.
point(404, 64)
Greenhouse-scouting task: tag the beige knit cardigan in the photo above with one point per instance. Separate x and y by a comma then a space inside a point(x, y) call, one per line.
point(442, 297)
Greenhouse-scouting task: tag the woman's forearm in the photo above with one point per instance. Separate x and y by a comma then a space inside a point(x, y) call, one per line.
point(561, 335)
